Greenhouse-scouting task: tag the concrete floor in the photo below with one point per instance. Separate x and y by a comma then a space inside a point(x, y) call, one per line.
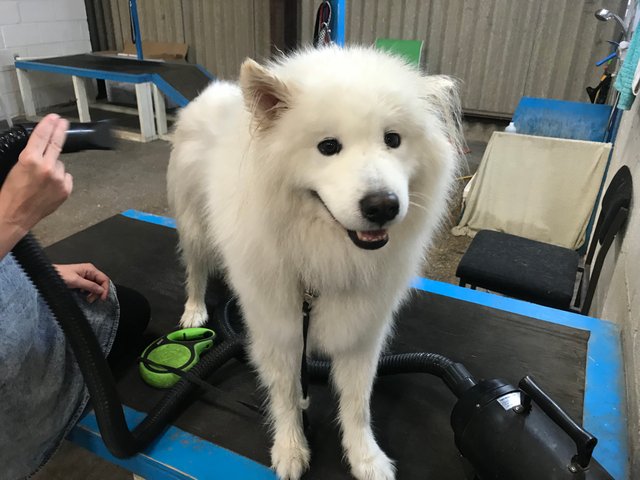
point(108, 182)
point(133, 176)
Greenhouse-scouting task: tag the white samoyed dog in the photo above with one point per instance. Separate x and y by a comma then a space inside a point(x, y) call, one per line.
point(326, 171)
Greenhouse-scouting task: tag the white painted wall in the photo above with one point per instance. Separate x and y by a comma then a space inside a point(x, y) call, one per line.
point(618, 294)
point(40, 28)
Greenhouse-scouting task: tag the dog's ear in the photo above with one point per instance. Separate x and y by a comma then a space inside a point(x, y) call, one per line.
point(441, 97)
point(265, 95)
point(440, 88)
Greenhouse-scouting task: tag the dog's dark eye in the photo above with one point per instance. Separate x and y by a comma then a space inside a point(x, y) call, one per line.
point(330, 146)
point(392, 139)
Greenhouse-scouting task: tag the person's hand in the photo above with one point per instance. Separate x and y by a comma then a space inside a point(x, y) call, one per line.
point(85, 277)
point(38, 184)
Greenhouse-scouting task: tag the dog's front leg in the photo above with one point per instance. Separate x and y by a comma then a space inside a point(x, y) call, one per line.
point(195, 309)
point(353, 373)
point(276, 353)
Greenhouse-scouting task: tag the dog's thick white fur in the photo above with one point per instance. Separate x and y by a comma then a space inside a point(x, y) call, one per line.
point(256, 200)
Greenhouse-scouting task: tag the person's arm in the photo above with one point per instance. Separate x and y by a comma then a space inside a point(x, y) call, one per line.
point(85, 277)
point(37, 185)
point(9, 236)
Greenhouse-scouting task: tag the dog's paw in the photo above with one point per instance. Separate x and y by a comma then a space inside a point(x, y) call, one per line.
point(194, 316)
point(290, 459)
point(376, 466)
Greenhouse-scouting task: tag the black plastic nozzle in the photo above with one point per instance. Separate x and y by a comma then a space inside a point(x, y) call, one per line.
point(84, 136)
point(80, 136)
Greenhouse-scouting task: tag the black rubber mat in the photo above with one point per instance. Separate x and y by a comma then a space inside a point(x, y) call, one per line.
point(410, 412)
point(187, 79)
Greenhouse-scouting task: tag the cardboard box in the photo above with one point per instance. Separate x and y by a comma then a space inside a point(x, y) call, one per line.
point(171, 52)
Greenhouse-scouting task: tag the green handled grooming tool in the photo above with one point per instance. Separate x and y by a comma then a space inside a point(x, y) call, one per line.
point(176, 351)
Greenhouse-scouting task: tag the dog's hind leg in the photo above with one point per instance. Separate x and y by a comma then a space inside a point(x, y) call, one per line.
point(276, 353)
point(352, 374)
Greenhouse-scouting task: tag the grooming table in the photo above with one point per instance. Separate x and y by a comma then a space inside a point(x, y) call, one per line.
point(180, 82)
point(576, 359)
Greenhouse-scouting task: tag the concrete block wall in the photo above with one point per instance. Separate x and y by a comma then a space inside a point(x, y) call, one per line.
point(39, 28)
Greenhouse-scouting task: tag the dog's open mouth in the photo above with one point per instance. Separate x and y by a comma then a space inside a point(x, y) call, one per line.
point(366, 239)
point(371, 240)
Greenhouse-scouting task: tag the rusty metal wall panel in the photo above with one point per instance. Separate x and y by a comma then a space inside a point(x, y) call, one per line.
point(220, 33)
point(262, 34)
point(569, 41)
point(307, 11)
point(121, 22)
point(161, 20)
point(500, 49)
point(485, 45)
point(100, 19)
point(192, 13)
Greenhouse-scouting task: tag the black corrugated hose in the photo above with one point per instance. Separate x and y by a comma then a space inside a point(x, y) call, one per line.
point(95, 370)
point(455, 376)
point(120, 441)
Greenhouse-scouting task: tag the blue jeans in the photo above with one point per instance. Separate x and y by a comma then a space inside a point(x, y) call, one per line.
point(42, 394)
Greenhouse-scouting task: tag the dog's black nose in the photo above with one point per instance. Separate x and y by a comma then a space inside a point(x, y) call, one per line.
point(380, 207)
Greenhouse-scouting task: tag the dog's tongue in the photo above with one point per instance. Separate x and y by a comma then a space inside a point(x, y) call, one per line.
point(372, 235)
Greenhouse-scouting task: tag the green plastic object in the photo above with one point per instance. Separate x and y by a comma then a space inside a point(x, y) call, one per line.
point(179, 350)
point(409, 49)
